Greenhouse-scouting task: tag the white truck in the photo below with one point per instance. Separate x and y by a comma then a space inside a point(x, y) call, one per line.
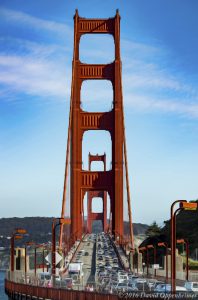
point(76, 269)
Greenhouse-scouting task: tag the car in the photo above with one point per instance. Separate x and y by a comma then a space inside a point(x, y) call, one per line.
point(67, 282)
point(122, 278)
point(191, 286)
point(163, 288)
point(151, 283)
point(78, 254)
point(120, 287)
point(102, 274)
point(101, 269)
point(140, 280)
point(105, 280)
point(44, 277)
point(115, 266)
point(157, 283)
point(132, 288)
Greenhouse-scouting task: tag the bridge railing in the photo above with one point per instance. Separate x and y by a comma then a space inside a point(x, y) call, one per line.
point(12, 289)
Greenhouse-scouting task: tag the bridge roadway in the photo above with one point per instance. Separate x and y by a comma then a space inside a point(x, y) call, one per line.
point(86, 255)
point(97, 252)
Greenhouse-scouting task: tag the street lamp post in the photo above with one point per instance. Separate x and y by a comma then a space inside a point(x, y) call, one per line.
point(173, 244)
point(43, 258)
point(166, 247)
point(43, 254)
point(61, 221)
point(185, 242)
point(173, 251)
point(25, 261)
point(142, 249)
point(147, 261)
point(135, 257)
point(183, 205)
point(17, 234)
point(35, 259)
point(26, 245)
point(154, 254)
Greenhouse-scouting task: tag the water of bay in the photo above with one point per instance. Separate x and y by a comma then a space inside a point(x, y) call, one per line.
point(3, 296)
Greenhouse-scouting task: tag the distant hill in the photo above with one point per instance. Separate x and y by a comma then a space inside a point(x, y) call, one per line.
point(39, 229)
point(139, 228)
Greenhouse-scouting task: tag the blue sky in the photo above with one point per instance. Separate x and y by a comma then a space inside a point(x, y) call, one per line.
point(159, 46)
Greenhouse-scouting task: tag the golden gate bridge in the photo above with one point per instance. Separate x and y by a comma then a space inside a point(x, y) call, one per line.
point(104, 263)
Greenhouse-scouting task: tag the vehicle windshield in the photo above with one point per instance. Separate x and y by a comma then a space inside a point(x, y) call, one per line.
point(45, 277)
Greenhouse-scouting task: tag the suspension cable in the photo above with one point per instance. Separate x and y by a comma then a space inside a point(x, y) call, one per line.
point(68, 138)
point(127, 175)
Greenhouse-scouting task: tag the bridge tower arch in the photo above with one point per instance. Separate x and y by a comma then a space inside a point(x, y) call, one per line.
point(93, 216)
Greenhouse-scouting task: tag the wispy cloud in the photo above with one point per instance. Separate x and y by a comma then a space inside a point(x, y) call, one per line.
point(31, 67)
point(34, 22)
point(142, 49)
point(170, 105)
point(44, 69)
point(29, 76)
point(24, 47)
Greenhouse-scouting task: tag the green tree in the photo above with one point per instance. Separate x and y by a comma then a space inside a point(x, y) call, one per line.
point(153, 230)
